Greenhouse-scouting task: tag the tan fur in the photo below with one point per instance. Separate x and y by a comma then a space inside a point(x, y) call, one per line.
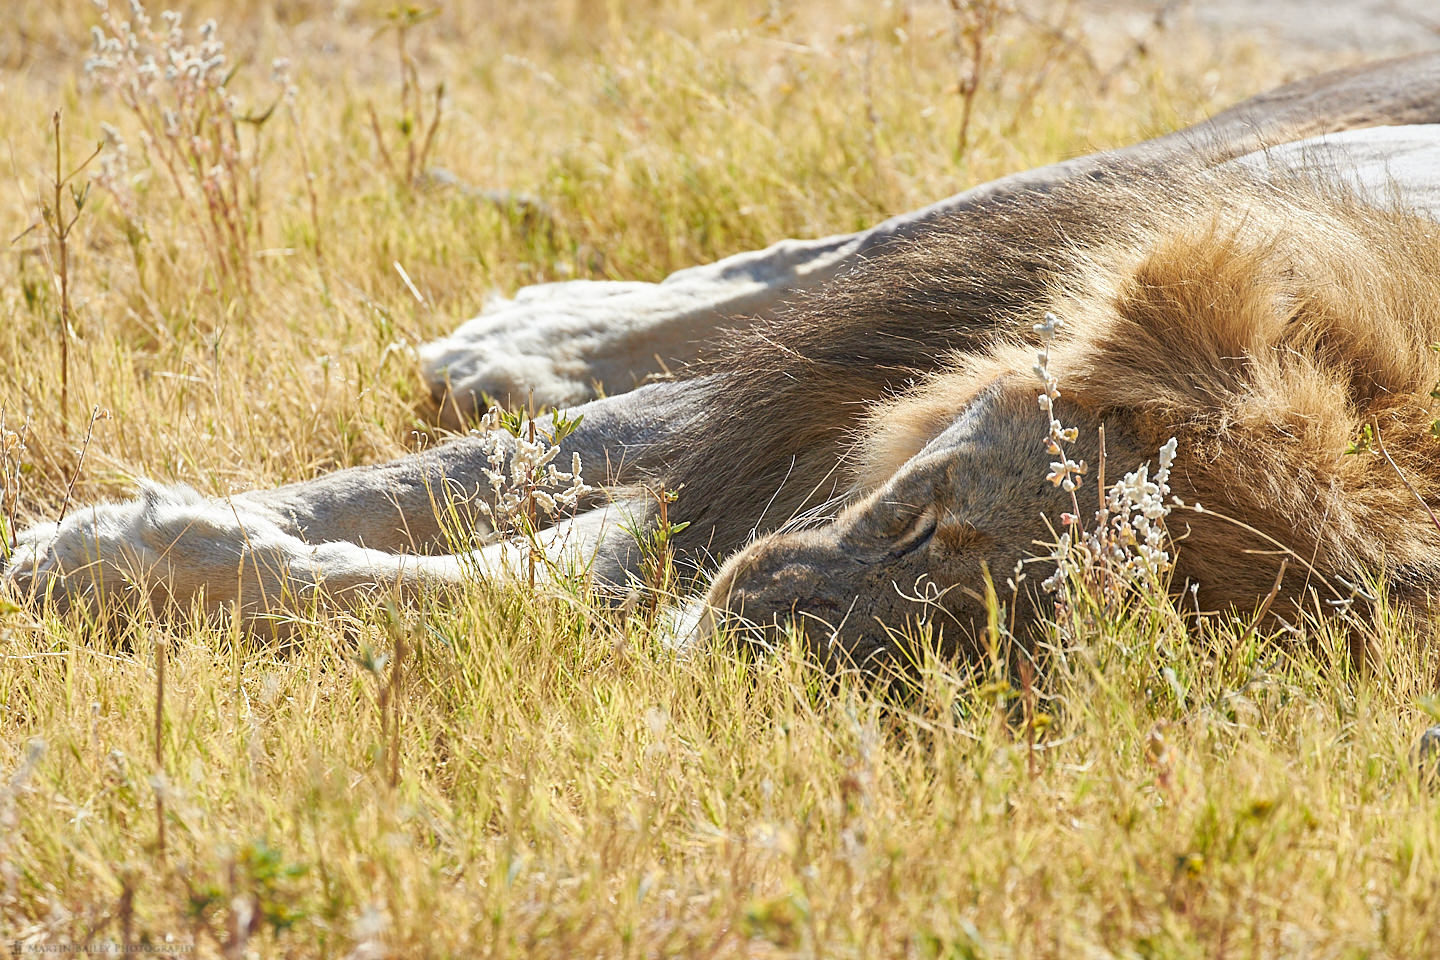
point(1262, 324)
point(1264, 333)
point(896, 429)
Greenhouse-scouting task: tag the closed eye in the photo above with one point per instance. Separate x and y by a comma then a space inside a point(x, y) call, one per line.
point(917, 537)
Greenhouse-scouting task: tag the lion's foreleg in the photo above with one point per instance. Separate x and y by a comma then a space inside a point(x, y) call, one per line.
point(174, 550)
point(430, 502)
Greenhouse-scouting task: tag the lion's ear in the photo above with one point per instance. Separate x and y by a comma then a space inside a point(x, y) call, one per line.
point(897, 428)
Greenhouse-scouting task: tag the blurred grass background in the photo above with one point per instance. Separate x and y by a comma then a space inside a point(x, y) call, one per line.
point(651, 136)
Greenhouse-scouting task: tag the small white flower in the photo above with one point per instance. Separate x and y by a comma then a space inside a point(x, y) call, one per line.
point(1048, 326)
point(1126, 546)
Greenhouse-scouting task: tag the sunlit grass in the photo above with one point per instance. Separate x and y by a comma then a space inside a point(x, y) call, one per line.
point(566, 785)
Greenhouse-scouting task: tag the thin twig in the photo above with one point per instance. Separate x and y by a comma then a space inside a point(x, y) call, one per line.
point(95, 414)
point(60, 231)
point(64, 285)
point(409, 284)
point(301, 141)
point(1280, 548)
point(160, 652)
point(380, 138)
point(1140, 46)
point(1265, 604)
point(396, 676)
point(434, 126)
point(976, 22)
point(1380, 442)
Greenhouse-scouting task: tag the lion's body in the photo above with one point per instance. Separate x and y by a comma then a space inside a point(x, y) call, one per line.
point(1263, 324)
point(1260, 320)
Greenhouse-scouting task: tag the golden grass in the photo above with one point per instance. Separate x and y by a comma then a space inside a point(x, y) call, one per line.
point(566, 787)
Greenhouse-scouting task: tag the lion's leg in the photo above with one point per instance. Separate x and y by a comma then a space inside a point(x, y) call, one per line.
point(348, 530)
point(415, 503)
point(560, 339)
point(173, 549)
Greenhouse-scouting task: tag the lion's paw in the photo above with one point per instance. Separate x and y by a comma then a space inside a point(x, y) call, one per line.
point(93, 552)
point(164, 546)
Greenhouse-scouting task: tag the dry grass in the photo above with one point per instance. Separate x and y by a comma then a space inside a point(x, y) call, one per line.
point(564, 787)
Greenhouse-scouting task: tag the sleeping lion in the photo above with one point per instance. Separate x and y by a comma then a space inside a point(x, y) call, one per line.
point(858, 433)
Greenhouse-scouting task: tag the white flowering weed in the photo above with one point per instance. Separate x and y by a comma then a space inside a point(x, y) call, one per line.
point(177, 88)
point(1064, 473)
point(1127, 548)
point(520, 468)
